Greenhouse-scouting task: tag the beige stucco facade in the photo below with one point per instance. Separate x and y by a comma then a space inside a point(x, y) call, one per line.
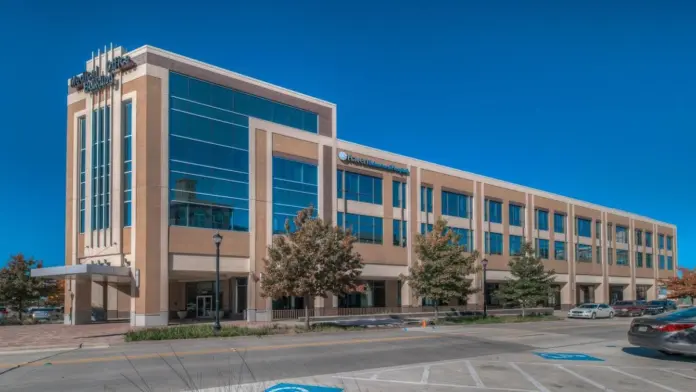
point(167, 261)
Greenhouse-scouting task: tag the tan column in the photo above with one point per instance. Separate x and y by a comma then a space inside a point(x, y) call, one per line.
point(111, 301)
point(82, 301)
point(391, 287)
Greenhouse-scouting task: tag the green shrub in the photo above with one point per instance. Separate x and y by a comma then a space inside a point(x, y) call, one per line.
point(196, 332)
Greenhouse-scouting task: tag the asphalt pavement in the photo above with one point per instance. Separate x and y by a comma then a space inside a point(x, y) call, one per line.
point(569, 355)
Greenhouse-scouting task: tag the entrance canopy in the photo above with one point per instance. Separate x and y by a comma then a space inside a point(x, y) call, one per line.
point(96, 272)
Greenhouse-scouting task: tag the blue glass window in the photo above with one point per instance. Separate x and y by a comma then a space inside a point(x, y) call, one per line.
point(662, 262)
point(584, 227)
point(558, 223)
point(621, 257)
point(295, 188)
point(82, 135)
point(229, 103)
point(648, 239)
point(583, 252)
point(399, 232)
point(455, 204)
point(494, 243)
point(542, 219)
point(367, 229)
point(101, 168)
point(399, 194)
point(669, 242)
point(610, 256)
point(127, 123)
point(494, 212)
point(559, 250)
point(464, 237)
point(661, 241)
point(424, 229)
point(515, 215)
point(621, 236)
point(639, 237)
point(426, 199)
point(598, 254)
point(359, 187)
point(208, 157)
point(670, 263)
point(515, 245)
point(542, 248)
point(598, 230)
point(648, 260)
point(639, 259)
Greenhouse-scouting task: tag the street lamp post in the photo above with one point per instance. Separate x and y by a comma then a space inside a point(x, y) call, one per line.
point(484, 263)
point(217, 239)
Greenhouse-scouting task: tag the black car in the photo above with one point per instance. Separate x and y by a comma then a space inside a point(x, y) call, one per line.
point(660, 306)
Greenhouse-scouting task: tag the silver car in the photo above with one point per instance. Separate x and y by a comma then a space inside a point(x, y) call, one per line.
point(670, 333)
point(591, 311)
point(43, 313)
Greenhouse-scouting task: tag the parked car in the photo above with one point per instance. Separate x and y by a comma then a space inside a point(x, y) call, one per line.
point(630, 308)
point(43, 314)
point(591, 311)
point(670, 333)
point(660, 306)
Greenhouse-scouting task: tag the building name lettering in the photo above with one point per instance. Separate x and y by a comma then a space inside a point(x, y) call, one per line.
point(95, 80)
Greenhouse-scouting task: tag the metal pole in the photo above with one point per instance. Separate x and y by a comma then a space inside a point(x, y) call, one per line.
point(217, 327)
point(485, 306)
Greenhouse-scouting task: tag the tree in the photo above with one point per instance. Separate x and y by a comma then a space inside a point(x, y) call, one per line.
point(17, 287)
point(314, 259)
point(56, 295)
point(530, 284)
point(683, 286)
point(443, 269)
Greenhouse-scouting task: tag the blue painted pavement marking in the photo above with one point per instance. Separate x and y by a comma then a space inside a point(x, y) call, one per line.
point(568, 357)
point(301, 388)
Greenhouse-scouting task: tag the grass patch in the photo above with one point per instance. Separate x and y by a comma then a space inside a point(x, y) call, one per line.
point(197, 332)
point(494, 319)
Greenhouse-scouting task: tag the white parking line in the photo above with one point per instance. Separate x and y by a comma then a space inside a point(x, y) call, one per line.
point(529, 378)
point(666, 388)
point(426, 374)
point(678, 374)
point(587, 380)
point(474, 375)
point(441, 385)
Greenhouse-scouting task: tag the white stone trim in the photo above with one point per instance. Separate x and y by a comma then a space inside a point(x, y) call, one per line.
point(360, 208)
point(383, 271)
point(150, 320)
point(498, 275)
point(199, 263)
point(584, 240)
point(561, 278)
point(230, 74)
point(645, 281)
point(591, 279)
point(559, 237)
point(619, 280)
point(75, 224)
point(455, 221)
point(396, 212)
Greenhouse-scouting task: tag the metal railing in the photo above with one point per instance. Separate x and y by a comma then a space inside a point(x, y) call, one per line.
point(293, 314)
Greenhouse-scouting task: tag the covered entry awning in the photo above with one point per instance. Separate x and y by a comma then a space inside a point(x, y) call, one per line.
point(96, 272)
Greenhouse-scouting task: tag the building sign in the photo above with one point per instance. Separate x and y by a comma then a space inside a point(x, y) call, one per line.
point(94, 81)
point(348, 158)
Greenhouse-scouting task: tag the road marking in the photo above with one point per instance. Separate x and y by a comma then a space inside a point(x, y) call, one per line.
point(474, 375)
point(439, 384)
point(678, 374)
point(666, 388)
point(426, 374)
point(216, 351)
point(529, 378)
point(587, 380)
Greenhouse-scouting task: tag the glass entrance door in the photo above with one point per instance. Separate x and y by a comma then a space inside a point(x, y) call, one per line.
point(204, 306)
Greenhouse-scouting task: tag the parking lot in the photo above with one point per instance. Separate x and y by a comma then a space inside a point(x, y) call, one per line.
point(577, 363)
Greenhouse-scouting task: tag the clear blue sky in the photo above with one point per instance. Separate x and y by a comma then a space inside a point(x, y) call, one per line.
point(595, 101)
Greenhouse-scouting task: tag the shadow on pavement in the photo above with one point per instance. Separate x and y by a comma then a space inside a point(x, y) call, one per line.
point(654, 354)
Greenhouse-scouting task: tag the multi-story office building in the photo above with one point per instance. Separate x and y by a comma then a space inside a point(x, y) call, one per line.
point(163, 151)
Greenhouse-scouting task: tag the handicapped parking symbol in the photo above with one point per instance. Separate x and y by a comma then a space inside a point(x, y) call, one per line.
point(301, 388)
point(568, 357)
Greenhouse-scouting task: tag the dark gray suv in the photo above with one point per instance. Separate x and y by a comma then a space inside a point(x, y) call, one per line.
point(660, 306)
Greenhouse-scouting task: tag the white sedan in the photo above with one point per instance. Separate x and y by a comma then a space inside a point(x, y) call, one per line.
point(591, 311)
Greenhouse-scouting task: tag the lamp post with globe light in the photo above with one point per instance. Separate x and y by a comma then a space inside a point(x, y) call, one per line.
point(217, 239)
point(484, 264)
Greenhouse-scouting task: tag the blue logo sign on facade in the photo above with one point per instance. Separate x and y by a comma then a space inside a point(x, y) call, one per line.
point(95, 80)
point(301, 388)
point(568, 357)
point(348, 158)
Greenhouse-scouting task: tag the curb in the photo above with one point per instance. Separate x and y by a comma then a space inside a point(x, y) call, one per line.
point(48, 349)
